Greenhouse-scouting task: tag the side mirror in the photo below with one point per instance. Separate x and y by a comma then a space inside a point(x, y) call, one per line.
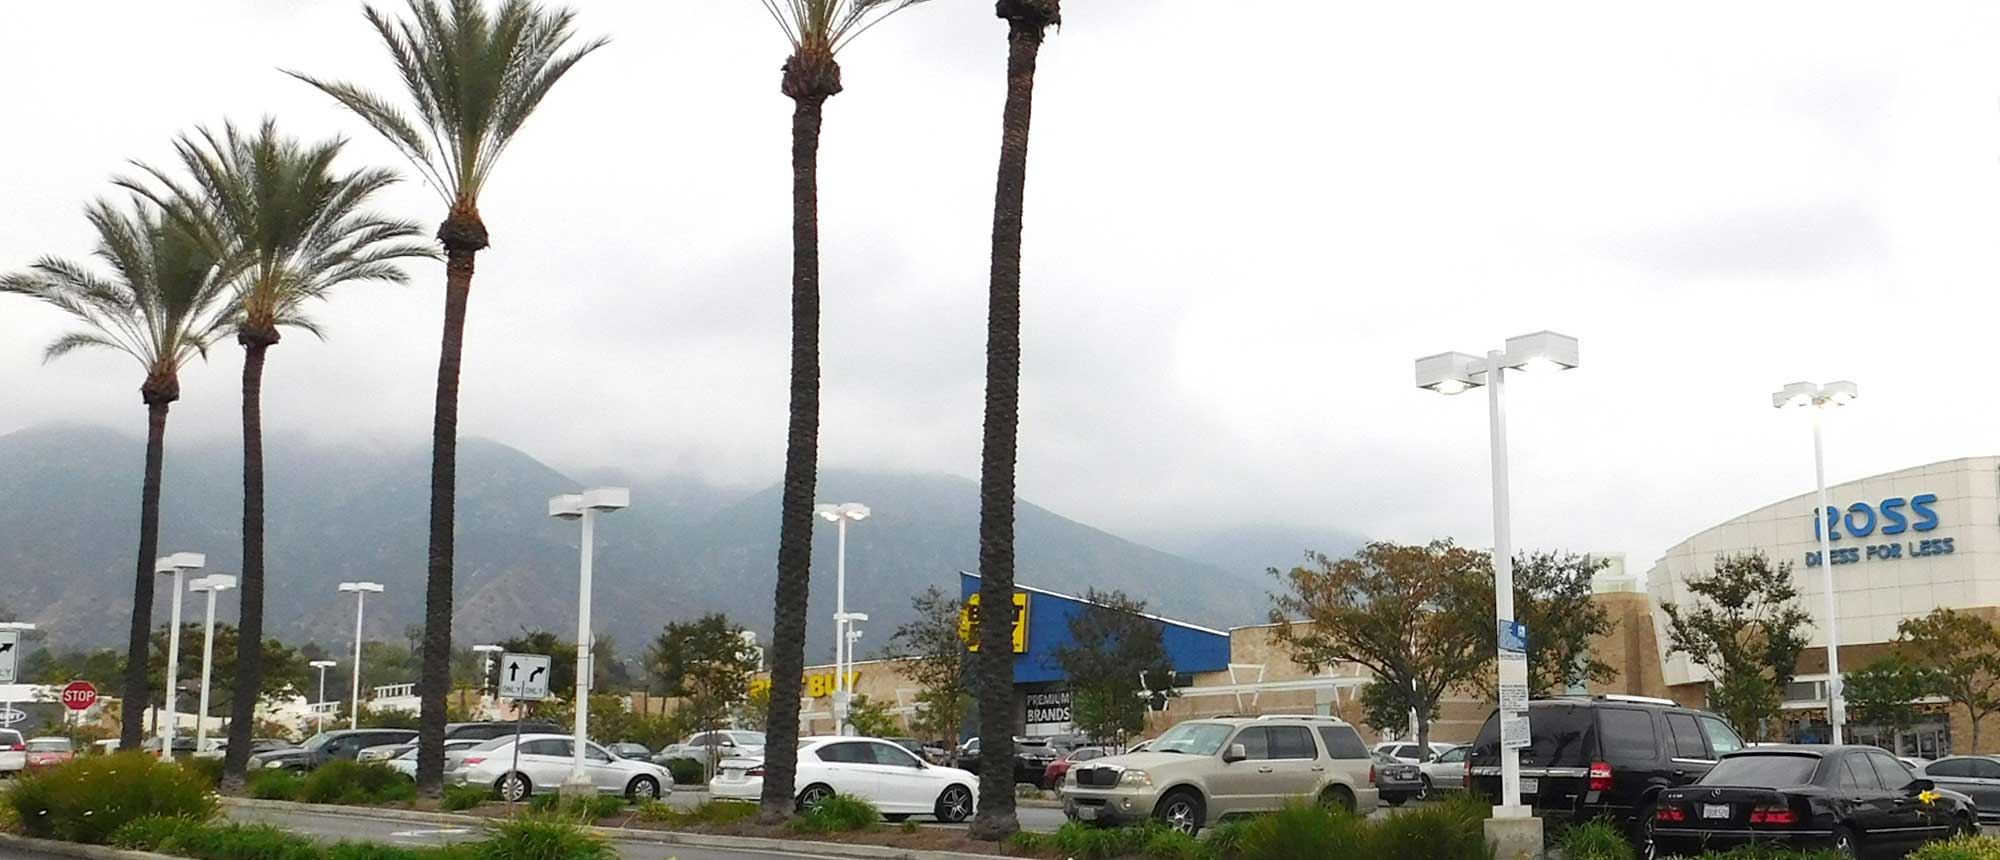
point(1235, 753)
point(1920, 785)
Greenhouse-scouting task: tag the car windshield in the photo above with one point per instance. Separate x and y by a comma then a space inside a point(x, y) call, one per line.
point(1192, 739)
point(755, 739)
point(315, 741)
point(52, 745)
point(1764, 770)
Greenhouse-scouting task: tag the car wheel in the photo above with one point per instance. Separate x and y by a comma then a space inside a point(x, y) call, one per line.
point(1394, 799)
point(1965, 826)
point(515, 787)
point(1425, 792)
point(643, 788)
point(1843, 843)
point(1338, 797)
point(955, 804)
point(1180, 810)
point(814, 795)
point(1642, 832)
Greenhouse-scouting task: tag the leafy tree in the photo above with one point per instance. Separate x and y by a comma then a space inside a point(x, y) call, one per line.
point(817, 30)
point(1112, 646)
point(935, 658)
point(871, 719)
point(707, 664)
point(1393, 609)
point(562, 659)
point(1387, 709)
point(286, 673)
point(1027, 22)
point(1885, 693)
point(1552, 596)
point(163, 305)
point(473, 78)
point(1744, 627)
point(1960, 655)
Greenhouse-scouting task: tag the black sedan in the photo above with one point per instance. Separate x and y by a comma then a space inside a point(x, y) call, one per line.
point(1857, 800)
point(1397, 781)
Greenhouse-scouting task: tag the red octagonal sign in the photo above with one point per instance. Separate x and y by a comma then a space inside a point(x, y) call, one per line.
point(79, 695)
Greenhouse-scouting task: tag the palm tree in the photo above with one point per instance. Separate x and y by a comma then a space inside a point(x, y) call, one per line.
point(299, 229)
point(163, 305)
point(473, 80)
point(1027, 21)
point(817, 30)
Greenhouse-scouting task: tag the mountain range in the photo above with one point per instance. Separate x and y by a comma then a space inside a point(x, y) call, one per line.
point(350, 511)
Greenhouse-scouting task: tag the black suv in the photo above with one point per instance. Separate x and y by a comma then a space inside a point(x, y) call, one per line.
point(1604, 757)
point(327, 746)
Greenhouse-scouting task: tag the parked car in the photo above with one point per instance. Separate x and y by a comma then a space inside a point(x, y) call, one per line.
point(49, 752)
point(1032, 757)
point(183, 746)
point(1202, 771)
point(1447, 771)
point(1605, 757)
point(1975, 776)
point(1397, 781)
point(13, 752)
point(385, 752)
point(487, 730)
point(1052, 776)
point(722, 744)
point(405, 762)
point(883, 773)
point(218, 747)
point(635, 752)
point(327, 746)
point(546, 760)
point(1858, 801)
point(1410, 752)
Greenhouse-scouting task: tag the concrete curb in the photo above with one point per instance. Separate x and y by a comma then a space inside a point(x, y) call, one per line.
point(77, 849)
point(796, 847)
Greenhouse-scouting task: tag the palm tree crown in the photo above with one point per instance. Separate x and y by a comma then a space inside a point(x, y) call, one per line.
point(818, 29)
point(473, 79)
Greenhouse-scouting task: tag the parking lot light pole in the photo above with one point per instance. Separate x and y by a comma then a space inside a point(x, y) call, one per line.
point(322, 666)
point(175, 565)
point(361, 591)
point(584, 506)
point(1454, 373)
point(840, 515)
point(210, 584)
point(1822, 398)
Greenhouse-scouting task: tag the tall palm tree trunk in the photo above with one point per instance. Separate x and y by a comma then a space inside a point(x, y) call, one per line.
point(996, 819)
point(463, 235)
point(132, 725)
point(250, 624)
point(788, 632)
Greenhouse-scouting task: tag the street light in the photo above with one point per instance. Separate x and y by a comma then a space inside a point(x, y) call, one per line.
point(840, 514)
point(584, 506)
point(844, 664)
point(361, 591)
point(175, 565)
point(18, 627)
point(486, 653)
point(1822, 398)
point(322, 666)
point(210, 584)
point(1456, 372)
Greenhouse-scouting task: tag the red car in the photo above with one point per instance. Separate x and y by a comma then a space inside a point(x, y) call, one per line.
point(1052, 776)
point(49, 752)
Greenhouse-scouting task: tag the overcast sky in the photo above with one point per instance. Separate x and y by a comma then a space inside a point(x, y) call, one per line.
point(1244, 222)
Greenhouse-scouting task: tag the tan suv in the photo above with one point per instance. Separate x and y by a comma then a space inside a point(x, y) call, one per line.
point(1206, 770)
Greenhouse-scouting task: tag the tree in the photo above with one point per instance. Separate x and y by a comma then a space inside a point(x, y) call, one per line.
point(300, 230)
point(1960, 654)
point(707, 664)
point(1386, 709)
point(562, 659)
point(163, 306)
point(1112, 647)
point(1027, 22)
point(935, 658)
point(1885, 693)
point(1552, 597)
point(817, 30)
point(285, 672)
point(1744, 628)
point(1394, 610)
point(473, 77)
point(871, 719)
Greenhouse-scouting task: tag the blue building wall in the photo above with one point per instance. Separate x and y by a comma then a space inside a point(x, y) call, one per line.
point(1192, 649)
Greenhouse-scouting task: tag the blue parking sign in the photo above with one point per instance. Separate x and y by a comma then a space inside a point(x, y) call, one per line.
point(1513, 637)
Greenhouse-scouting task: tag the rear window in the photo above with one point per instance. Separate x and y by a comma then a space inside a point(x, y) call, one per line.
point(1772, 770)
point(1559, 736)
point(1342, 742)
point(1628, 735)
point(50, 745)
point(1687, 737)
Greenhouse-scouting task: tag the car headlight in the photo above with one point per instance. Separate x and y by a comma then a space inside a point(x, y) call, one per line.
point(274, 763)
point(1135, 777)
point(1070, 778)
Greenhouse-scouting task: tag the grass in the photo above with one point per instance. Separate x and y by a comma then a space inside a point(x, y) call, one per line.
point(714, 812)
point(89, 799)
point(1960, 848)
point(275, 785)
point(203, 841)
point(462, 797)
point(355, 783)
point(1596, 839)
point(209, 769)
point(542, 838)
point(837, 814)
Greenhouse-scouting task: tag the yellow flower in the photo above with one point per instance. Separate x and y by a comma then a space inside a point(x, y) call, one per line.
point(1928, 797)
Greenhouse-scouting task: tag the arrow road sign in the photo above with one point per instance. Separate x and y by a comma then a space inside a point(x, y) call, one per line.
point(524, 677)
point(8, 652)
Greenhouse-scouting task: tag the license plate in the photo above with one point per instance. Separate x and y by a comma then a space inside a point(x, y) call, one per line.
point(1086, 813)
point(1715, 810)
point(1530, 786)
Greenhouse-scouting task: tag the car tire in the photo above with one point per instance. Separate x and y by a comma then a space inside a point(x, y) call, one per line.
point(1182, 810)
point(1425, 792)
point(1641, 832)
point(1338, 797)
point(1966, 825)
point(954, 805)
point(1395, 799)
point(814, 795)
point(1843, 843)
point(643, 788)
point(514, 787)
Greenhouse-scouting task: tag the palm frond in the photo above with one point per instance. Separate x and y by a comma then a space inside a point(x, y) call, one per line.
point(827, 26)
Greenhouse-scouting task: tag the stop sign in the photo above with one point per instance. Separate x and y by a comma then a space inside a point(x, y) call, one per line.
point(79, 695)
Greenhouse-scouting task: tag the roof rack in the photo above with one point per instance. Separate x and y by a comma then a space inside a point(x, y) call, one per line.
point(1305, 718)
point(1640, 700)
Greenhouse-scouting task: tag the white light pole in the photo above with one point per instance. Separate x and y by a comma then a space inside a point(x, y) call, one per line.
point(322, 666)
point(584, 506)
point(1455, 372)
point(175, 565)
point(840, 515)
point(1822, 398)
point(485, 653)
point(19, 627)
point(847, 668)
point(361, 591)
point(208, 584)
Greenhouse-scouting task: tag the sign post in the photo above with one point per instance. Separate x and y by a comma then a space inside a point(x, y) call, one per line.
point(523, 678)
point(1513, 637)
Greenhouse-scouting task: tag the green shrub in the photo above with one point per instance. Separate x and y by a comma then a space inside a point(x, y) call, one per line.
point(356, 784)
point(544, 803)
point(275, 785)
point(89, 799)
point(1166, 844)
point(1769, 851)
point(687, 771)
point(1225, 837)
point(543, 838)
point(239, 842)
point(1452, 830)
point(594, 807)
point(458, 797)
point(712, 812)
point(209, 769)
point(1080, 841)
point(152, 832)
point(909, 826)
point(1304, 831)
point(838, 814)
point(1596, 839)
point(378, 851)
point(1960, 848)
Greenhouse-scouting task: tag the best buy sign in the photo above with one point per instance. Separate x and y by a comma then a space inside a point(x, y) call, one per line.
point(968, 623)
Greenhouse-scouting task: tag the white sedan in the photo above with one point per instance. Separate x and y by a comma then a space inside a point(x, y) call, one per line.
point(880, 772)
point(405, 762)
point(545, 761)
